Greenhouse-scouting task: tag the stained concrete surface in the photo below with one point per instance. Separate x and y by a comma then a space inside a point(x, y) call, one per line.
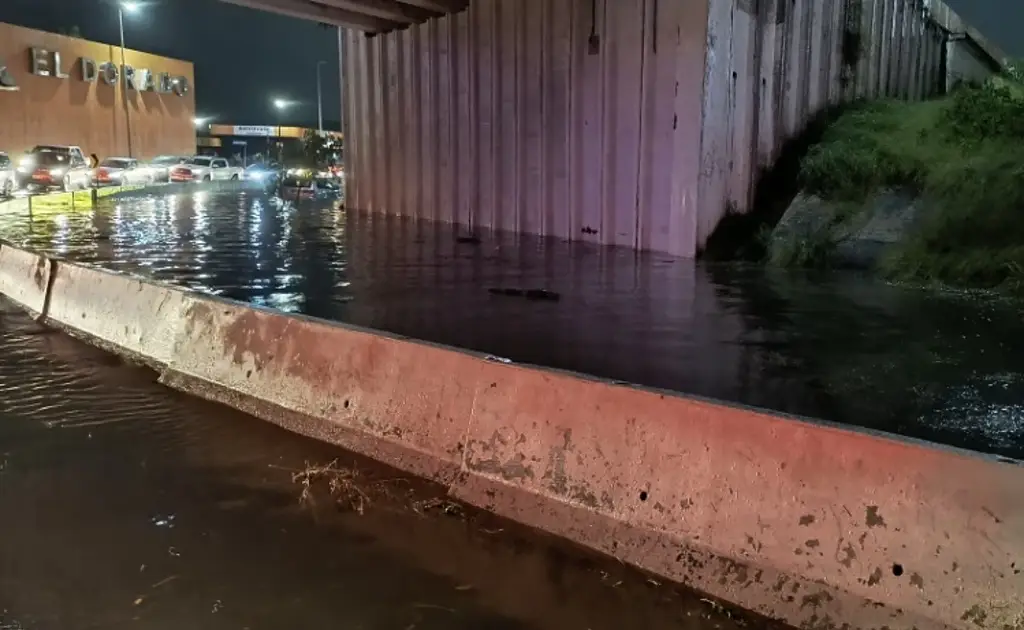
point(128, 505)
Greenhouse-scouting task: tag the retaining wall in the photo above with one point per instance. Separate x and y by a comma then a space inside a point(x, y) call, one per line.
point(814, 524)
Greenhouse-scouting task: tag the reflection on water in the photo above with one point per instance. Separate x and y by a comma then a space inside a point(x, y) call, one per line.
point(128, 506)
point(948, 368)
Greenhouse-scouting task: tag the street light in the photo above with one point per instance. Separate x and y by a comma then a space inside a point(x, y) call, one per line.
point(130, 7)
point(319, 100)
point(200, 121)
point(280, 105)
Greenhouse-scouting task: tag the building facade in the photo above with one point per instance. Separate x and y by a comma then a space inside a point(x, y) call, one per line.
point(67, 91)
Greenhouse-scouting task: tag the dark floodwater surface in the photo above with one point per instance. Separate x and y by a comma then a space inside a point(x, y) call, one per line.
point(124, 505)
point(943, 367)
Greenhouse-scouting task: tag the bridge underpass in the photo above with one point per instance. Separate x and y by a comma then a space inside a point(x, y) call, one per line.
point(629, 122)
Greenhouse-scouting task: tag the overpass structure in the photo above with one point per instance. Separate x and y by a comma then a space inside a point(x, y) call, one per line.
point(631, 122)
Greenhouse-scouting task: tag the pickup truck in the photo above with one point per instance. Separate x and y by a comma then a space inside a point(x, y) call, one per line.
point(204, 168)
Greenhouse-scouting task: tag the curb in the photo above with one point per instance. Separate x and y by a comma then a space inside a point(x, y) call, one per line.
point(817, 525)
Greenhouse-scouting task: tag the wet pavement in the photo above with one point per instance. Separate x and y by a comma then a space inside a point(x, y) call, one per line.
point(837, 346)
point(128, 505)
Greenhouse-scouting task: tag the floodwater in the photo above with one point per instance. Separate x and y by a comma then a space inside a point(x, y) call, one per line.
point(127, 505)
point(837, 346)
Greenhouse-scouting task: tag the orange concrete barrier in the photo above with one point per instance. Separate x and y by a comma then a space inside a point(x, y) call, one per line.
point(353, 388)
point(818, 525)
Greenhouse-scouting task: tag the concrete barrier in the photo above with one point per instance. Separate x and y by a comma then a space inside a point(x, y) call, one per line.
point(24, 277)
point(354, 388)
point(817, 525)
point(125, 314)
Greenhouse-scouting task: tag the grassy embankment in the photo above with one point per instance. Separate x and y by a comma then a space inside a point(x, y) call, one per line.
point(962, 155)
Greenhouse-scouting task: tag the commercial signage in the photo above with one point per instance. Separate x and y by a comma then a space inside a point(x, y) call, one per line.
point(46, 63)
point(252, 130)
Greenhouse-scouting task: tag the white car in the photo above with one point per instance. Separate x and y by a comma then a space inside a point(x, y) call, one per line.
point(121, 171)
point(205, 168)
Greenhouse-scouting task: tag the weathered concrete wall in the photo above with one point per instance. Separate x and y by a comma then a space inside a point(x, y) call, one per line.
point(573, 118)
point(772, 67)
point(967, 62)
point(817, 525)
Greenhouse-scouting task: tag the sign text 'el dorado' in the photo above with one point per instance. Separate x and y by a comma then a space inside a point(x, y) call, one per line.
point(45, 63)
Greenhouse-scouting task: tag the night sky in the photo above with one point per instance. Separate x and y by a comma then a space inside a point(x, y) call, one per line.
point(244, 58)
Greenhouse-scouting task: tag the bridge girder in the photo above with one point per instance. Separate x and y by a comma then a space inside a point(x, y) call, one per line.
point(369, 16)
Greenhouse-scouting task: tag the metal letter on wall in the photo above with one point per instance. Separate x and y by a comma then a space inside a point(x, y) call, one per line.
point(57, 72)
point(88, 69)
point(7, 81)
point(129, 78)
point(147, 82)
point(181, 86)
point(164, 83)
point(39, 62)
point(108, 72)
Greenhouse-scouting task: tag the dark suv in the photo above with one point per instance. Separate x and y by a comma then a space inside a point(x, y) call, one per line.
point(8, 178)
point(50, 166)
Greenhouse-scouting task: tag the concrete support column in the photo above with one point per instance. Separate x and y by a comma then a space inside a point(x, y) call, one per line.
point(579, 119)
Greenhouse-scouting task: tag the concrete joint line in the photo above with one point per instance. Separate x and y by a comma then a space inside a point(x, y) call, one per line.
point(48, 294)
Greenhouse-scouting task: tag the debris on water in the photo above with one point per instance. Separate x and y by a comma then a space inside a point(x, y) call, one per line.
point(541, 295)
point(167, 580)
point(505, 291)
point(217, 606)
point(164, 521)
point(491, 357)
point(346, 485)
point(464, 587)
point(446, 507)
point(434, 607)
point(173, 552)
point(138, 601)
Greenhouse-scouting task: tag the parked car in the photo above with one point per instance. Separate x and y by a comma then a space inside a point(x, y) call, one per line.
point(52, 166)
point(121, 171)
point(302, 184)
point(160, 166)
point(203, 168)
point(8, 176)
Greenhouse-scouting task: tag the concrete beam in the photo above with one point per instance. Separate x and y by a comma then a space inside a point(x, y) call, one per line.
point(391, 10)
point(310, 10)
point(439, 6)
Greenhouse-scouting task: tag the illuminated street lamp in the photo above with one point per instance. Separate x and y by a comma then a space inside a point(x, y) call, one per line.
point(280, 105)
point(201, 121)
point(122, 7)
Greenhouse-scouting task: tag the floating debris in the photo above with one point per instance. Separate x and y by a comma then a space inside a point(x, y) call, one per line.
point(538, 295)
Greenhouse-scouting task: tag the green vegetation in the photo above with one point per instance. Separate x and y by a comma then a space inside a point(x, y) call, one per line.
point(962, 155)
point(79, 199)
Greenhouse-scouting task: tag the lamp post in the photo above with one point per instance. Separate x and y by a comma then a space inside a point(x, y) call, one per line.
point(280, 105)
point(130, 7)
point(319, 100)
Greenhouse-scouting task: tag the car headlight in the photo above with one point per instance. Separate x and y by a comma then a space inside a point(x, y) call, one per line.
point(56, 172)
